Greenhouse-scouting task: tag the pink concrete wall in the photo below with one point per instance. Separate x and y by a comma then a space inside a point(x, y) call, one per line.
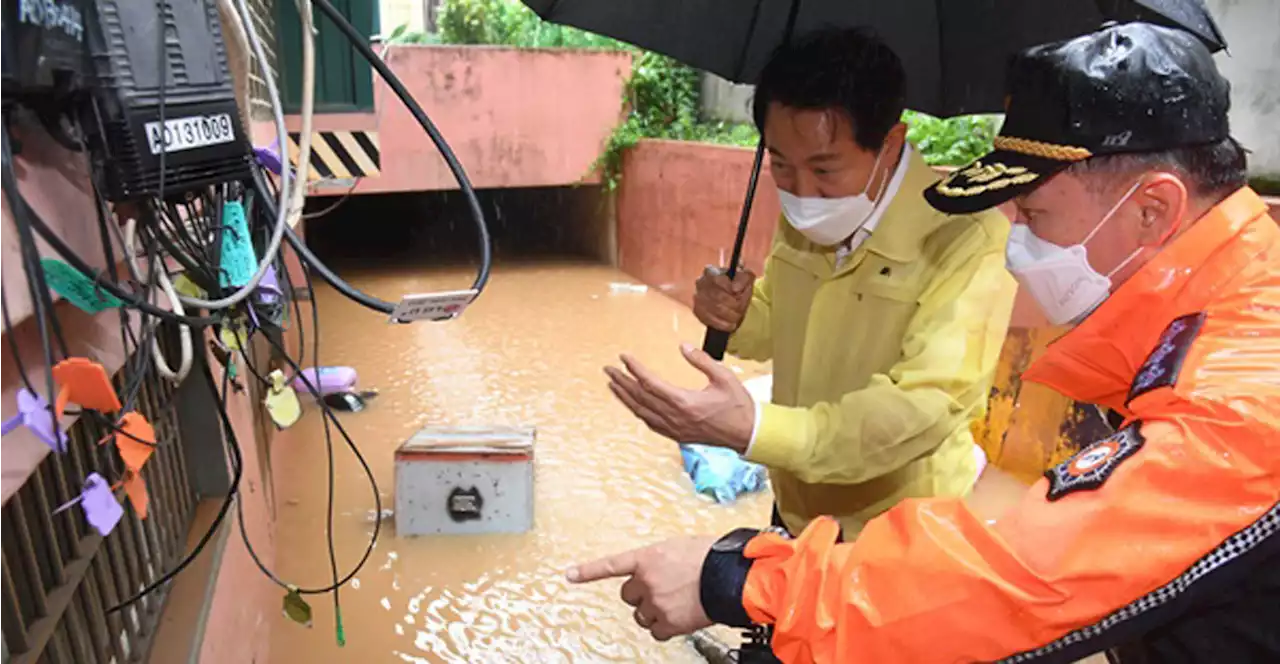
point(678, 209)
point(238, 628)
point(514, 117)
point(55, 183)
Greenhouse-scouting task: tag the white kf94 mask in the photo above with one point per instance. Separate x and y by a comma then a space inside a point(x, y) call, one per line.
point(830, 221)
point(1061, 279)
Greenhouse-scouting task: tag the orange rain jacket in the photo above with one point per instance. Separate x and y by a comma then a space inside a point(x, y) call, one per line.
point(1165, 536)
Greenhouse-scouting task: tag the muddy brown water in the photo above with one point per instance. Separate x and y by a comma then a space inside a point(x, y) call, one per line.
point(528, 352)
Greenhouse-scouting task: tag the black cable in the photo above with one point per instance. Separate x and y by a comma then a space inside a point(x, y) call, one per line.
point(300, 247)
point(153, 220)
point(13, 342)
point(373, 484)
point(104, 235)
point(163, 57)
point(262, 225)
point(35, 268)
point(137, 367)
point(68, 255)
point(328, 444)
point(297, 307)
point(237, 472)
point(333, 206)
point(477, 213)
point(248, 362)
point(336, 583)
point(328, 447)
point(37, 290)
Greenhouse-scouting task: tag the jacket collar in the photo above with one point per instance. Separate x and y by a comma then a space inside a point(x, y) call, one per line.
point(1096, 361)
point(899, 234)
point(908, 219)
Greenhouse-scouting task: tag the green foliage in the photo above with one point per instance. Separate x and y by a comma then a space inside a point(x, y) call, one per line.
point(402, 35)
point(662, 96)
point(1267, 185)
point(663, 100)
point(951, 142)
point(510, 23)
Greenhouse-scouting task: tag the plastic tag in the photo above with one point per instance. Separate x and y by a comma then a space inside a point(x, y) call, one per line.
point(253, 317)
point(282, 402)
point(136, 488)
point(185, 286)
point(101, 509)
point(432, 306)
point(269, 157)
point(134, 453)
point(238, 260)
point(269, 291)
point(77, 288)
point(233, 335)
point(296, 608)
point(34, 414)
point(84, 382)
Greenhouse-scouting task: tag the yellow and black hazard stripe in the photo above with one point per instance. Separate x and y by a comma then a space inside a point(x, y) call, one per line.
point(339, 154)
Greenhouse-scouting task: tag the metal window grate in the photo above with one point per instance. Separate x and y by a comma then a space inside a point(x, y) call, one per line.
point(60, 576)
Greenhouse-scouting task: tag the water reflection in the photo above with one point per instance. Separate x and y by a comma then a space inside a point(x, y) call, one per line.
point(529, 352)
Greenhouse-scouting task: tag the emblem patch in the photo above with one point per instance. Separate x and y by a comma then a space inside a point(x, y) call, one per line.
point(1089, 468)
point(1165, 362)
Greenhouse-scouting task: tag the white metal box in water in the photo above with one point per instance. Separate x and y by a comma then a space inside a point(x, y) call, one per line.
point(465, 481)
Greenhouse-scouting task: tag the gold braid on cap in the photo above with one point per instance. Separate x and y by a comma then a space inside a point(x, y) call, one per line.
point(984, 178)
point(1039, 149)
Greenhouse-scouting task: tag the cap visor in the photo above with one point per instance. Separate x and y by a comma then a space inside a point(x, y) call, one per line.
point(990, 181)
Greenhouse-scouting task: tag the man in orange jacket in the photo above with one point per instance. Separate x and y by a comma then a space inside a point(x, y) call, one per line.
point(1159, 543)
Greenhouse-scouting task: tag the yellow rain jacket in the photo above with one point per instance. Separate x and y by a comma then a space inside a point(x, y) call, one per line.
point(879, 363)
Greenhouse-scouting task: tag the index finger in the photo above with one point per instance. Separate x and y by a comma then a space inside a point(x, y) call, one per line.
point(619, 564)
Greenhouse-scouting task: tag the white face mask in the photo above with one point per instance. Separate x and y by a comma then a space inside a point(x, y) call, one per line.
point(1060, 278)
point(830, 221)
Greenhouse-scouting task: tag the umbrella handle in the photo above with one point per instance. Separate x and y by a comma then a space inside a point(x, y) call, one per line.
point(717, 341)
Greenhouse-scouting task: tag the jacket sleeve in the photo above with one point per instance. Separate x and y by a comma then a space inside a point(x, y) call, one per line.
point(949, 355)
point(929, 581)
point(753, 340)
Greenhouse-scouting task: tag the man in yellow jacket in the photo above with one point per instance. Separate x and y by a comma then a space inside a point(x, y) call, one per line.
point(1159, 543)
point(883, 317)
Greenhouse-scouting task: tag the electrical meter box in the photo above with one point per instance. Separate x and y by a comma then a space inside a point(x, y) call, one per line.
point(162, 114)
point(465, 481)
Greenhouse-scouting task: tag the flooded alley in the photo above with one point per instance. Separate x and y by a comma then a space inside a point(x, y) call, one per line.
point(528, 352)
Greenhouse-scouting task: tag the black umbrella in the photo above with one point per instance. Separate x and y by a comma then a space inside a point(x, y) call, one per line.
point(954, 51)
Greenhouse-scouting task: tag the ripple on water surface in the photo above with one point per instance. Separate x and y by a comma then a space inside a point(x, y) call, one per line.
point(529, 352)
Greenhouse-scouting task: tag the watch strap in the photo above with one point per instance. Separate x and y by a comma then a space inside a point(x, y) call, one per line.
point(724, 574)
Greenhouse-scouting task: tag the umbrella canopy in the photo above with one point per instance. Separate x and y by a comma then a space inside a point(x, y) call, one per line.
point(954, 51)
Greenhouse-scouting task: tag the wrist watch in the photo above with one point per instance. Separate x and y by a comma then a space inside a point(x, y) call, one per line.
point(735, 541)
point(724, 573)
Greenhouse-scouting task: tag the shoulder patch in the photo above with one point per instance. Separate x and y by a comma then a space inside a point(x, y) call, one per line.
point(1089, 468)
point(1165, 362)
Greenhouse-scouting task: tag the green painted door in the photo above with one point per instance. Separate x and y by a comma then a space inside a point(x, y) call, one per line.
point(344, 80)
